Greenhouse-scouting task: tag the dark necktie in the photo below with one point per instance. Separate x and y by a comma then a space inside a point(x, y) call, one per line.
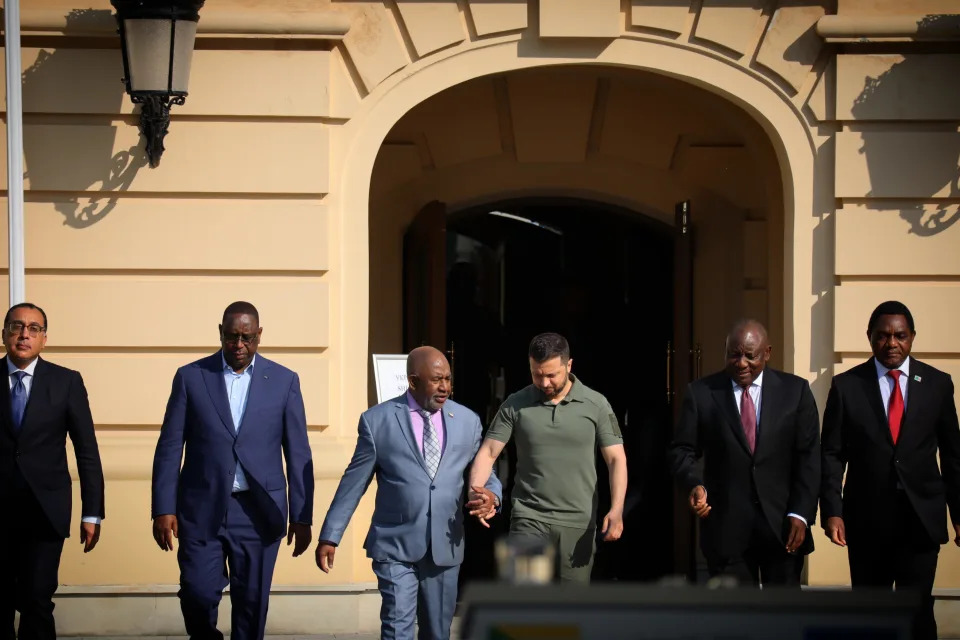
point(895, 410)
point(431, 445)
point(748, 418)
point(18, 399)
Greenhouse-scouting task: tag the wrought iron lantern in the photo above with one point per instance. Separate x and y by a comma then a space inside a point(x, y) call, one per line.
point(157, 38)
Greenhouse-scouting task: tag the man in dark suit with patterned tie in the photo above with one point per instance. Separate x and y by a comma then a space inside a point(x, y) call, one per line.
point(757, 430)
point(40, 406)
point(884, 423)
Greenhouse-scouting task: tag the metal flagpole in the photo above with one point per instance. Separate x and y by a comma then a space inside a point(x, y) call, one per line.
point(11, 15)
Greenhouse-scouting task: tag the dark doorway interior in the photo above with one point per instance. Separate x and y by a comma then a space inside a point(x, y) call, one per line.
point(601, 276)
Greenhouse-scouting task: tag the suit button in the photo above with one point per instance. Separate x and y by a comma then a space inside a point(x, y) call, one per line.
point(432, 487)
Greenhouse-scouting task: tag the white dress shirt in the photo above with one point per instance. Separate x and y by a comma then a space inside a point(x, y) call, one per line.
point(28, 385)
point(886, 383)
point(756, 394)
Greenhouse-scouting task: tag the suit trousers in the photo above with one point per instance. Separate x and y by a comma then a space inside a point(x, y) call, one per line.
point(240, 556)
point(30, 551)
point(906, 557)
point(420, 591)
point(764, 560)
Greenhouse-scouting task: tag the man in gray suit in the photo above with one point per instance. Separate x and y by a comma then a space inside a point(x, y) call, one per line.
point(418, 445)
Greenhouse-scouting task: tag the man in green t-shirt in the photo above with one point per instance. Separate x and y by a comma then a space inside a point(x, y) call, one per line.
point(557, 423)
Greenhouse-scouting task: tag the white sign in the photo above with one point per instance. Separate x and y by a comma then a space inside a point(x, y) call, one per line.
point(390, 373)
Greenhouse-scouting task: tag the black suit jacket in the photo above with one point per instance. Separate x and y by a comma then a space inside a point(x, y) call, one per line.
point(856, 436)
point(37, 456)
point(783, 474)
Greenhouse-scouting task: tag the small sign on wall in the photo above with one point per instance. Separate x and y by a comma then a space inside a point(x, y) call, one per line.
point(390, 374)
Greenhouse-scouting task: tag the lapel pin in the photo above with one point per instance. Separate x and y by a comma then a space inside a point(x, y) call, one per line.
point(916, 378)
point(450, 413)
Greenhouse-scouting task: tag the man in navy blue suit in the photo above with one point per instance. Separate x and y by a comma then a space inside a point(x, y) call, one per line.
point(239, 416)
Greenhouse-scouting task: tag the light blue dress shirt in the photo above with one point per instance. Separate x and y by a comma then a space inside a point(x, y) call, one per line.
point(238, 389)
point(28, 385)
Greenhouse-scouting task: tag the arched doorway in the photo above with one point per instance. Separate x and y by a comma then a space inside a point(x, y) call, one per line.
point(594, 273)
point(579, 169)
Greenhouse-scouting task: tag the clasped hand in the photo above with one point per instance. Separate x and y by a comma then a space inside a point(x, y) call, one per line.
point(482, 504)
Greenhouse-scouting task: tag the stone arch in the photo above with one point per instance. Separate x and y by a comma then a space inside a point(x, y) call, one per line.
point(358, 142)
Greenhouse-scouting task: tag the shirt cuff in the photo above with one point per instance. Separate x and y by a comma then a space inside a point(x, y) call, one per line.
point(798, 517)
point(91, 519)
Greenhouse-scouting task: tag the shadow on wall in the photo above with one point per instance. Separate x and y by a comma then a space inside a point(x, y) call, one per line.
point(76, 158)
point(940, 174)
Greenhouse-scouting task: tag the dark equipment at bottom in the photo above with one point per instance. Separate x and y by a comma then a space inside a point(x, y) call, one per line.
point(500, 611)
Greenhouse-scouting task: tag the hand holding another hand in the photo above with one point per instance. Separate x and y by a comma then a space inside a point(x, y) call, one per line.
point(482, 504)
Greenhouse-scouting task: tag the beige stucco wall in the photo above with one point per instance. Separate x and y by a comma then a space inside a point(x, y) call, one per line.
point(276, 186)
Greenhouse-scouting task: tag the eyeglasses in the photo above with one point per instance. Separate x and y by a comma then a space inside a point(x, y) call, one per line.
point(238, 338)
point(16, 328)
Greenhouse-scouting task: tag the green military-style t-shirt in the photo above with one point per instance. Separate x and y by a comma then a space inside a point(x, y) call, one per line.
point(556, 479)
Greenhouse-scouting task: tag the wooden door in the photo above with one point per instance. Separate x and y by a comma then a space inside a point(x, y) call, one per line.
point(681, 370)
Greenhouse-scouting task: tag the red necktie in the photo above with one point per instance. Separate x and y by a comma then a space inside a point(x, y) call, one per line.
point(748, 418)
point(895, 412)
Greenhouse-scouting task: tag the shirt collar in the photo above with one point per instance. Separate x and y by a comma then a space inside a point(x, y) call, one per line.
point(758, 382)
point(574, 395)
point(414, 405)
point(882, 370)
point(576, 390)
point(227, 367)
point(29, 369)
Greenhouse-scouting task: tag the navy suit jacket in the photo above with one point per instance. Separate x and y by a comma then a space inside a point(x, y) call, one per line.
point(411, 510)
point(198, 419)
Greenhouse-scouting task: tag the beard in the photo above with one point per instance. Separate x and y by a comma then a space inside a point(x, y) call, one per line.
point(554, 391)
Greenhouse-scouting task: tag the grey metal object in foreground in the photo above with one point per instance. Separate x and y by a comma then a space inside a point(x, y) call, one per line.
point(614, 611)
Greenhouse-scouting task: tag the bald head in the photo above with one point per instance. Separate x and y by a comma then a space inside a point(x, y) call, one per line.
point(421, 357)
point(748, 350)
point(428, 374)
point(745, 326)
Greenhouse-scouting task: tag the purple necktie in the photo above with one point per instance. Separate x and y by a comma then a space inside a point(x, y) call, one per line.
point(748, 419)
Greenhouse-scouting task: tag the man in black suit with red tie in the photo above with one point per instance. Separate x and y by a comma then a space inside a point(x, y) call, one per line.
point(41, 405)
point(757, 430)
point(884, 422)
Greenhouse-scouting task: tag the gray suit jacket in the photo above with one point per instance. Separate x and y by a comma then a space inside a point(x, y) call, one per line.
point(410, 508)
